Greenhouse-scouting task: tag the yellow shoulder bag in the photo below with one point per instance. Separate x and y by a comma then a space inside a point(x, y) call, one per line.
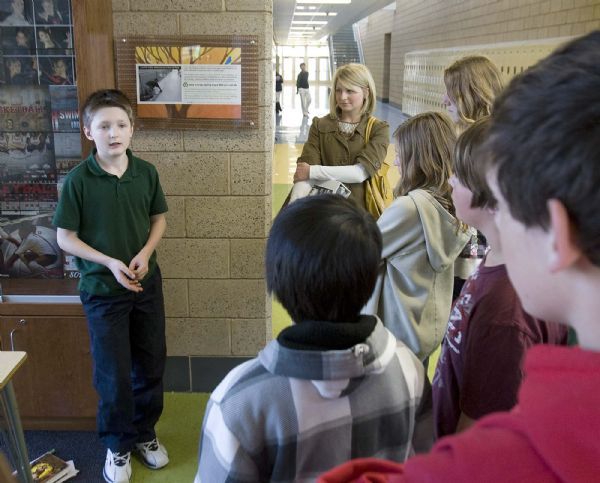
point(378, 192)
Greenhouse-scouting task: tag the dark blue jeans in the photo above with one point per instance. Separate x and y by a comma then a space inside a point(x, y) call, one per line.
point(127, 334)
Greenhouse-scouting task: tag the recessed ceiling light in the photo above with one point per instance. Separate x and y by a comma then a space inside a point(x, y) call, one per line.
point(316, 14)
point(309, 22)
point(322, 2)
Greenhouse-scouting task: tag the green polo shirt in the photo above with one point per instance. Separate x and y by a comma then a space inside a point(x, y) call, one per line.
point(110, 214)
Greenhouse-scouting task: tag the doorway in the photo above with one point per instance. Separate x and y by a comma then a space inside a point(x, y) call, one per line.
point(387, 58)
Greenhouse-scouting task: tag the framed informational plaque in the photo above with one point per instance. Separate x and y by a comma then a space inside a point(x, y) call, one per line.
point(199, 82)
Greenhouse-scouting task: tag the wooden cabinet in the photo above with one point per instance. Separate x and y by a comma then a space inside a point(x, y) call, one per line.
point(54, 387)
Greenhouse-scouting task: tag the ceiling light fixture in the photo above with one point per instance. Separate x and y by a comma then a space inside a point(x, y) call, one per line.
point(323, 2)
point(309, 22)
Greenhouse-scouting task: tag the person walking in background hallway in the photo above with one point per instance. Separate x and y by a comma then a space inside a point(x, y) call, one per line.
point(302, 89)
point(278, 92)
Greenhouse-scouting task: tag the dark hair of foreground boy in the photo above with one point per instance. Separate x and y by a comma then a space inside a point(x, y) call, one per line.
point(556, 100)
point(322, 258)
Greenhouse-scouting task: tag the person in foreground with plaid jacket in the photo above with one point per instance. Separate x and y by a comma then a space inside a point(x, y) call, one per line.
point(334, 385)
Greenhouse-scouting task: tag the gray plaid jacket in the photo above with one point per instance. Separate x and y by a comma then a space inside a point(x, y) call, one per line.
point(290, 415)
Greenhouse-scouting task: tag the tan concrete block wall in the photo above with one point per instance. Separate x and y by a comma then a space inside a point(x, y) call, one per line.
point(382, 23)
point(431, 24)
point(218, 188)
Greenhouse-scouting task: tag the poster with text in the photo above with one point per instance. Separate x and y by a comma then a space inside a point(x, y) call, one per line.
point(189, 82)
point(65, 108)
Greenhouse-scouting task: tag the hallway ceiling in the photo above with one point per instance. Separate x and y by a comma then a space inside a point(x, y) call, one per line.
point(286, 11)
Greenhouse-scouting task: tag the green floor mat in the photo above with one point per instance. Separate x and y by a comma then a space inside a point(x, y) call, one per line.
point(179, 430)
point(279, 194)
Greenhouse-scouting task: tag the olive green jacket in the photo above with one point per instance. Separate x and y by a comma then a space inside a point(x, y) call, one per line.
point(328, 147)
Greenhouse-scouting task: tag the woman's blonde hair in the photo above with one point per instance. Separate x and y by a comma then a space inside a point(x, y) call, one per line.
point(425, 144)
point(472, 83)
point(353, 75)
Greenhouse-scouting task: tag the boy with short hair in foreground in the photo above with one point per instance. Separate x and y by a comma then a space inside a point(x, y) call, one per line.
point(480, 367)
point(111, 216)
point(332, 386)
point(544, 172)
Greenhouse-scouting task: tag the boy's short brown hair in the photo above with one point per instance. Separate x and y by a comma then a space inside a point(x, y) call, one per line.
point(105, 98)
point(543, 141)
point(469, 167)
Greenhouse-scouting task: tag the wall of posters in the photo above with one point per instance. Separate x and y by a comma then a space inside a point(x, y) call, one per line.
point(39, 132)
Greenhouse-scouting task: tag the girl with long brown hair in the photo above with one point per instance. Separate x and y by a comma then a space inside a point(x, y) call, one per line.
point(421, 236)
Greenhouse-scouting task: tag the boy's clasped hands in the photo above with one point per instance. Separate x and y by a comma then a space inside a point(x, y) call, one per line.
point(130, 277)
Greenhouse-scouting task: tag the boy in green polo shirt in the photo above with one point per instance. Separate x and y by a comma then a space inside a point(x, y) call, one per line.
point(111, 216)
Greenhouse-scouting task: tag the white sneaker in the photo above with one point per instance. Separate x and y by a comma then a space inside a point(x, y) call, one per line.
point(154, 455)
point(117, 468)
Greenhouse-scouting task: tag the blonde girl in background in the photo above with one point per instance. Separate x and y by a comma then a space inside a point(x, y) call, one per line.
point(336, 148)
point(472, 83)
point(421, 236)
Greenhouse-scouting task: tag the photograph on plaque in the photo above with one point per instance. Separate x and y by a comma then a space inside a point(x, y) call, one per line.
point(159, 84)
point(188, 82)
point(28, 247)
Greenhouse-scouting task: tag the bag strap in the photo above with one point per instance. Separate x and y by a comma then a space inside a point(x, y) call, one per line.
point(369, 128)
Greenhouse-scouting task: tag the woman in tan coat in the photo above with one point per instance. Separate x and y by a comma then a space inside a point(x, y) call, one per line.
point(336, 148)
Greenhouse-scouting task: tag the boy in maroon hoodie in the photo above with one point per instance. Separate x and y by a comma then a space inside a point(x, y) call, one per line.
point(480, 368)
point(544, 171)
